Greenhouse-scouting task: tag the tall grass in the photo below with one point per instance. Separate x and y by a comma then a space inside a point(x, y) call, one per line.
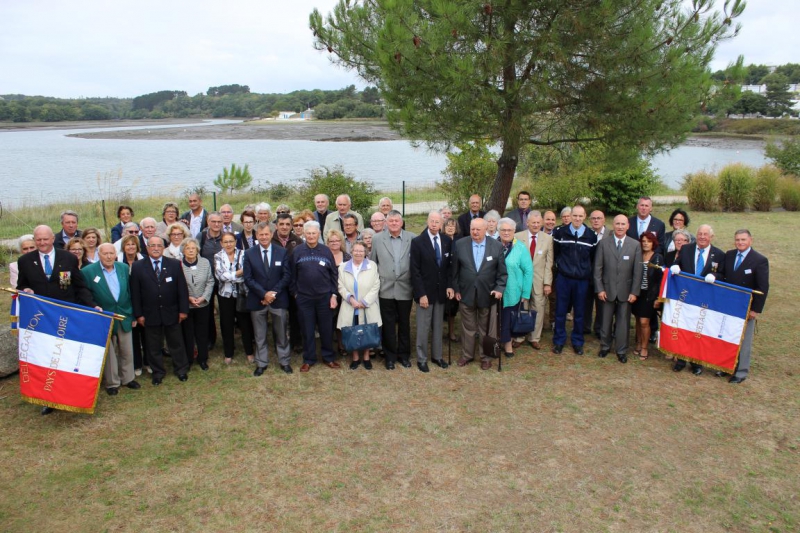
point(789, 193)
point(766, 187)
point(702, 190)
point(736, 183)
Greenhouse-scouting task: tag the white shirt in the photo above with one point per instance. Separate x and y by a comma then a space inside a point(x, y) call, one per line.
point(195, 222)
point(618, 241)
point(642, 224)
point(52, 256)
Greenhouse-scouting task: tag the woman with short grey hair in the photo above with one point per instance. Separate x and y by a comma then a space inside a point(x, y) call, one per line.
point(492, 218)
point(200, 281)
point(25, 244)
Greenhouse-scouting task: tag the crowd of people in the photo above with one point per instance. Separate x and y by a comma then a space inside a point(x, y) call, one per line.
point(182, 282)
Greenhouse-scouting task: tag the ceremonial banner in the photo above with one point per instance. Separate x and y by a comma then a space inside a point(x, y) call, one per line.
point(703, 322)
point(62, 350)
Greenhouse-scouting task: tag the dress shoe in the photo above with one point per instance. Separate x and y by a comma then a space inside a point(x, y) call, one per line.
point(157, 381)
point(734, 379)
point(603, 353)
point(354, 365)
point(423, 367)
point(508, 355)
point(678, 366)
point(405, 363)
point(305, 368)
point(133, 385)
point(332, 364)
point(287, 369)
point(486, 365)
point(368, 364)
point(440, 363)
point(47, 410)
point(112, 391)
point(183, 377)
point(535, 345)
point(259, 371)
point(558, 348)
point(578, 350)
point(721, 374)
point(516, 344)
point(389, 365)
point(697, 370)
point(652, 338)
point(622, 358)
point(203, 366)
point(464, 362)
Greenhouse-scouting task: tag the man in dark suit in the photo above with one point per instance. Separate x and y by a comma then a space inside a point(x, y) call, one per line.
point(704, 260)
point(644, 221)
point(160, 303)
point(520, 214)
point(52, 272)
point(321, 211)
point(618, 281)
point(430, 277)
point(475, 211)
point(109, 283)
point(747, 268)
point(478, 278)
point(196, 218)
point(69, 229)
point(267, 276)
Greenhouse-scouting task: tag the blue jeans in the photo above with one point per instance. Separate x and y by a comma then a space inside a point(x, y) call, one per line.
point(571, 292)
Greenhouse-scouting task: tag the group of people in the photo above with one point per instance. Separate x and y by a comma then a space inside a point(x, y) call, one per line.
point(314, 272)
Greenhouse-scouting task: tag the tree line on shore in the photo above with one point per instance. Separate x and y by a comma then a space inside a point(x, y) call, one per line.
point(222, 101)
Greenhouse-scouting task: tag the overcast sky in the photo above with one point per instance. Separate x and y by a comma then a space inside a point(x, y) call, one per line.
point(127, 48)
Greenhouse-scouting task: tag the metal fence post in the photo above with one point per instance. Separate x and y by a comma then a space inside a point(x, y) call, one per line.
point(215, 200)
point(404, 198)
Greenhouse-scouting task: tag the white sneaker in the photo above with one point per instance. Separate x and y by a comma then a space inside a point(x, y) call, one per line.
point(149, 370)
point(138, 371)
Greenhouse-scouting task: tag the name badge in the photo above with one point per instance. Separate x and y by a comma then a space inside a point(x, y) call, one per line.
point(277, 263)
point(97, 279)
point(194, 267)
point(748, 271)
point(626, 257)
point(489, 258)
point(322, 263)
point(168, 280)
point(540, 252)
point(447, 254)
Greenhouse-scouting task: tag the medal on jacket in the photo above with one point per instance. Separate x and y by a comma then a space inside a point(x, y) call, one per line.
point(64, 279)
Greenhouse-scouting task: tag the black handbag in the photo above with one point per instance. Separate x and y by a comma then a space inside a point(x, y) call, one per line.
point(361, 337)
point(523, 321)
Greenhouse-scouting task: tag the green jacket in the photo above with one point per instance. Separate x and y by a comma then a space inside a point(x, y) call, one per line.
point(96, 281)
point(520, 274)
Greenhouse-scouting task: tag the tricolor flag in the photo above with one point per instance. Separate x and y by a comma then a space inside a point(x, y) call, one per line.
point(703, 322)
point(62, 349)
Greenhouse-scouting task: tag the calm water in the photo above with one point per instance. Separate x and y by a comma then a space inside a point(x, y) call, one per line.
point(35, 166)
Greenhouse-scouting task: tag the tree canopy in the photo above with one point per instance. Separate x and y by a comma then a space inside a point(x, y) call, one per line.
point(540, 72)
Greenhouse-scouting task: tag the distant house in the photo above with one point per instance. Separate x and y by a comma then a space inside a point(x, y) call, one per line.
point(308, 114)
point(285, 115)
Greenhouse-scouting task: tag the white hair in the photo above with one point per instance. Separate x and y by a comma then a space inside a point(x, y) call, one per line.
point(492, 215)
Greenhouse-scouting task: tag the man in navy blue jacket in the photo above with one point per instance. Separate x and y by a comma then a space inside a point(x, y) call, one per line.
point(267, 276)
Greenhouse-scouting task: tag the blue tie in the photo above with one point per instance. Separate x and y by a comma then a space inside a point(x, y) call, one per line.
point(48, 268)
point(698, 269)
point(157, 269)
point(739, 258)
point(437, 250)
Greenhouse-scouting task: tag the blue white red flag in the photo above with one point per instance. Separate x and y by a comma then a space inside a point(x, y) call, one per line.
point(703, 322)
point(62, 349)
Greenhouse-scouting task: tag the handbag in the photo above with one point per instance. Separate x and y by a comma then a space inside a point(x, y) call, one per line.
point(523, 321)
point(361, 337)
point(241, 302)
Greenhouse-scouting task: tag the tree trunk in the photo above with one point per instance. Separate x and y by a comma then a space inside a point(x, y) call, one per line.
point(506, 169)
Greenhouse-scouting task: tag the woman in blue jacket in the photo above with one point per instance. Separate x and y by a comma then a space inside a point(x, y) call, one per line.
point(520, 278)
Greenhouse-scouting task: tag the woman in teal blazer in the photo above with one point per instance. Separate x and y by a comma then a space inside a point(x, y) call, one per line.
point(520, 278)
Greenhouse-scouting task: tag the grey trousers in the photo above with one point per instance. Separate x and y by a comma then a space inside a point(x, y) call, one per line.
point(540, 304)
point(429, 319)
point(473, 320)
point(743, 368)
point(622, 312)
point(280, 330)
point(119, 361)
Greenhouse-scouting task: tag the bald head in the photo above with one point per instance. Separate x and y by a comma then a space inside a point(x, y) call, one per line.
point(43, 237)
point(620, 226)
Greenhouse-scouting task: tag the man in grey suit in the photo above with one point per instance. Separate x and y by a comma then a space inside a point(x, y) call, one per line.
point(391, 251)
point(618, 280)
point(478, 277)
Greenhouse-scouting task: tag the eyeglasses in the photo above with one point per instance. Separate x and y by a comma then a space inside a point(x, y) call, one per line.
point(298, 225)
point(133, 232)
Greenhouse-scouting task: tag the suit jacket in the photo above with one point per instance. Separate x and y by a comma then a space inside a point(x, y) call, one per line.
point(235, 226)
point(515, 215)
point(260, 280)
point(542, 260)
point(186, 218)
point(714, 261)
point(322, 217)
point(159, 299)
point(31, 276)
point(475, 285)
point(753, 273)
point(58, 243)
point(395, 285)
point(96, 281)
point(293, 242)
point(656, 226)
point(428, 278)
point(464, 221)
point(618, 273)
point(332, 222)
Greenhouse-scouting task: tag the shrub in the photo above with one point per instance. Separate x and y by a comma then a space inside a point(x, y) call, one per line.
point(736, 183)
point(233, 179)
point(702, 190)
point(471, 170)
point(334, 181)
point(786, 156)
point(617, 191)
point(766, 187)
point(565, 187)
point(276, 192)
point(789, 193)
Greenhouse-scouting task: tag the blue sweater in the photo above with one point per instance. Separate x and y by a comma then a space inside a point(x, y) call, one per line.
point(314, 272)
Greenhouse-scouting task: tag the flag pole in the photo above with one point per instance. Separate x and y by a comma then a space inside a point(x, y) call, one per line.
point(15, 291)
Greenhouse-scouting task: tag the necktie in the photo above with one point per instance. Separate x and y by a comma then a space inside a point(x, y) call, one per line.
point(437, 250)
point(48, 268)
point(641, 227)
point(619, 245)
point(533, 246)
point(266, 259)
point(157, 269)
point(739, 258)
point(698, 269)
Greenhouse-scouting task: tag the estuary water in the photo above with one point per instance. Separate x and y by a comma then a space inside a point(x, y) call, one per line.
point(38, 166)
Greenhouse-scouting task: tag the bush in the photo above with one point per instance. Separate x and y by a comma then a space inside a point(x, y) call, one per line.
point(736, 183)
point(276, 192)
point(233, 179)
point(702, 190)
point(789, 193)
point(786, 156)
point(471, 170)
point(565, 187)
point(617, 191)
point(766, 188)
point(333, 182)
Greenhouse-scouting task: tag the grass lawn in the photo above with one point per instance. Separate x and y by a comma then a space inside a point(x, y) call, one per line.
point(552, 443)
